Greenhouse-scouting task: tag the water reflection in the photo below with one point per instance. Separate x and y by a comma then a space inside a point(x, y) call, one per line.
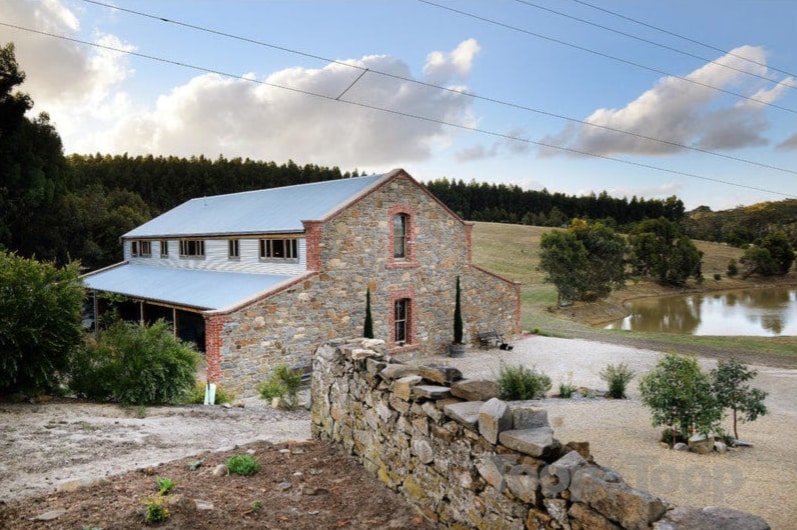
point(762, 312)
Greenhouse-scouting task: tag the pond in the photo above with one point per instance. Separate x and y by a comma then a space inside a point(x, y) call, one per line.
point(768, 312)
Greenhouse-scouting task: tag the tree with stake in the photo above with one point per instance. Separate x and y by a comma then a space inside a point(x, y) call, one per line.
point(729, 384)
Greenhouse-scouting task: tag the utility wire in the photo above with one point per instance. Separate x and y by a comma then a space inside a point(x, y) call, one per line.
point(392, 111)
point(438, 87)
point(664, 46)
point(651, 26)
point(605, 55)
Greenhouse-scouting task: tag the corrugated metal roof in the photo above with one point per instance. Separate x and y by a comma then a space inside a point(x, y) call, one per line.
point(271, 210)
point(201, 289)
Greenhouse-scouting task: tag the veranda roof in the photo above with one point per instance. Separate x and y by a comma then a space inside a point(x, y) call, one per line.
point(200, 289)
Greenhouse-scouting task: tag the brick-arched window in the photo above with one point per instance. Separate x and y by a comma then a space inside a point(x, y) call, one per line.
point(401, 245)
point(400, 222)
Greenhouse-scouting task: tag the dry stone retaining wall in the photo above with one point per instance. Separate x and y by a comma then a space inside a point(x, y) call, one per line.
point(466, 459)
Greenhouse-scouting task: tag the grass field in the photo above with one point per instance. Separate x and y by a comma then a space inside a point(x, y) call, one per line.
point(513, 252)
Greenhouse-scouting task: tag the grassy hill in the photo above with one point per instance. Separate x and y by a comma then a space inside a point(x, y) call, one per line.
point(513, 252)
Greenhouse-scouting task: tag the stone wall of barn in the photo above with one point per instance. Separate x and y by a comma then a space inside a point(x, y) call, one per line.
point(352, 252)
point(466, 459)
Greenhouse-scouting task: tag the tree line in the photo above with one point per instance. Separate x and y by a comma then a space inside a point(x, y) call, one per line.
point(504, 203)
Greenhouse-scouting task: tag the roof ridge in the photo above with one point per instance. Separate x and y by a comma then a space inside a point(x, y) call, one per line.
point(305, 184)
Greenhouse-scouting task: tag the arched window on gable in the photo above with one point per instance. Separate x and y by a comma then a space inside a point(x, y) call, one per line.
point(400, 236)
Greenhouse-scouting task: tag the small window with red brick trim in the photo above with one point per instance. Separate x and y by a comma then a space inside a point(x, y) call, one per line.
point(401, 320)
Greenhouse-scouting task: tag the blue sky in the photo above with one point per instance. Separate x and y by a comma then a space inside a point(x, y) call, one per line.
point(539, 70)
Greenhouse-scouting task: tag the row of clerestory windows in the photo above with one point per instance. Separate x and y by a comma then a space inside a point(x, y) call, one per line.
point(268, 249)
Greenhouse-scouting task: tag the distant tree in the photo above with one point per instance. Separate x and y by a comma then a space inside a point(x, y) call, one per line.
point(680, 396)
point(659, 248)
point(773, 257)
point(606, 252)
point(729, 382)
point(564, 260)
point(585, 263)
point(40, 322)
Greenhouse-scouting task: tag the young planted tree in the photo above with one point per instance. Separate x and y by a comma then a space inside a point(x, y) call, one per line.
point(680, 396)
point(729, 381)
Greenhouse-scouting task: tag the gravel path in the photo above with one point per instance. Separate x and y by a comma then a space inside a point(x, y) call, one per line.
point(761, 480)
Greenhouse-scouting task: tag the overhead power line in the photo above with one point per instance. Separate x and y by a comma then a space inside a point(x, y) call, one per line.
point(664, 46)
point(683, 37)
point(605, 55)
point(438, 87)
point(392, 111)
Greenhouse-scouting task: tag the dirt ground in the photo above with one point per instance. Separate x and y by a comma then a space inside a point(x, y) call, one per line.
point(302, 484)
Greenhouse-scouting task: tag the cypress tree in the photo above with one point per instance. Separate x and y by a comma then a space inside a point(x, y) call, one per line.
point(368, 327)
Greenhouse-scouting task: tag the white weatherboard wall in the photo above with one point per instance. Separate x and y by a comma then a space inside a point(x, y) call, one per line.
point(216, 258)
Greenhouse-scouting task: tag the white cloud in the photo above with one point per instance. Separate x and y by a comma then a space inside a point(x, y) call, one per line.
point(441, 66)
point(82, 88)
point(215, 115)
point(61, 73)
point(681, 113)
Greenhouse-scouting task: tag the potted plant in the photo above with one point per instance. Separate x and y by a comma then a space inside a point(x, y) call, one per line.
point(457, 347)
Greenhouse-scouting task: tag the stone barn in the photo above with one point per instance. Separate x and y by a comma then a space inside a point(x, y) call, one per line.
point(259, 279)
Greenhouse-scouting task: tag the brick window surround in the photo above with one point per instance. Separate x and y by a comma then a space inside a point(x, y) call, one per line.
point(410, 344)
point(410, 259)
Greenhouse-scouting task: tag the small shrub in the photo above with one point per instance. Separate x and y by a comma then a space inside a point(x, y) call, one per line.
point(165, 485)
point(284, 383)
point(680, 396)
point(155, 510)
point(717, 276)
point(134, 364)
point(733, 268)
point(519, 382)
point(197, 395)
point(566, 388)
point(242, 465)
point(618, 378)
point(566, 391)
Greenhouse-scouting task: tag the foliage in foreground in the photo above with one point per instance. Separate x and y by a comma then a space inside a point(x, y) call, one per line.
point(242, 465)
point(39, 322)
point(134, 364)
point(284, 383)
point(617, 377)
point(680, 396)
point(519, 382)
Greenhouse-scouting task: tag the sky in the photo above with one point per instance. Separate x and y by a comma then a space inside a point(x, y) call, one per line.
point(696, 99)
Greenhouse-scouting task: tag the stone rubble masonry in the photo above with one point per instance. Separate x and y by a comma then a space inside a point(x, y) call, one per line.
point(347, 253)
point(477, 464)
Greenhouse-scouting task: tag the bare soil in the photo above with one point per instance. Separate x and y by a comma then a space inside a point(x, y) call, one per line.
point(302, 484)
